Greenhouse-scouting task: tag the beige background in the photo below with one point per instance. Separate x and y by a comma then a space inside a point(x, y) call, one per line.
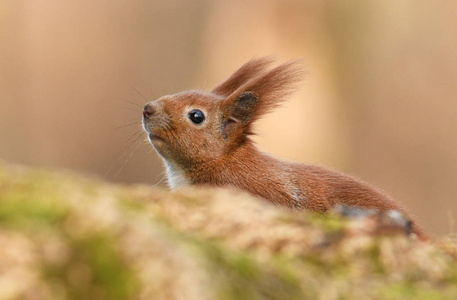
point(379, 101)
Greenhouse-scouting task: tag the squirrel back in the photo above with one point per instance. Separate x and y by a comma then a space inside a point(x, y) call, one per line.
point(204, 139)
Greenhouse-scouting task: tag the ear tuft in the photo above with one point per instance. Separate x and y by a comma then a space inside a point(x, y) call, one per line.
point(248, 71)
point(261, 90)
point(271, 87)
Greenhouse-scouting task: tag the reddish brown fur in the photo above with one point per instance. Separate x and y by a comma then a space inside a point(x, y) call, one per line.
point(219, 151)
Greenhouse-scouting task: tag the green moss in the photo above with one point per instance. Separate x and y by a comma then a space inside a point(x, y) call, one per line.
point(404, 290)
point(451, 274)
point(240, 276)
point(92, 264)
point(190, 200)
point(93, 270)
point(130, 203)
point(34, 200)
point(17, 213)
point(373, 253)
point(329, 223)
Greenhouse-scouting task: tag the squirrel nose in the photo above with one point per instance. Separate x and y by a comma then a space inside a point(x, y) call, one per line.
point(148, 110)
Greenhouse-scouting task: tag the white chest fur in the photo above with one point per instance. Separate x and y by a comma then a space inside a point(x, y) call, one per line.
point(175, 175)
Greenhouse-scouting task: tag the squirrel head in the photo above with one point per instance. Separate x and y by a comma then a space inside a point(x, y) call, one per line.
point(193, 127)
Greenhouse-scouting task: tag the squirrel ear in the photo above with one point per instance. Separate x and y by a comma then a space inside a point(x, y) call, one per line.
point(247, 71)
point(238, 113)
point(255, 97)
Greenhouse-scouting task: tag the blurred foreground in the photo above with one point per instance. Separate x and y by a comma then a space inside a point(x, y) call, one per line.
point(65, 237)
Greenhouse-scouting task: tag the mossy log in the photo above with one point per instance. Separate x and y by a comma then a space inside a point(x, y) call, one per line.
point(63, 236)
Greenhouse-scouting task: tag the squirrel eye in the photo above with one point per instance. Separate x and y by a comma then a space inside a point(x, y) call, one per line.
point(196, 116)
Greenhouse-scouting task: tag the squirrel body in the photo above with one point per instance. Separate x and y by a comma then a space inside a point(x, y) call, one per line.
point(204, 139)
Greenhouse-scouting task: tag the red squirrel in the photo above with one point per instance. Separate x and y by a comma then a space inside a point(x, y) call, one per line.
point(204, 139)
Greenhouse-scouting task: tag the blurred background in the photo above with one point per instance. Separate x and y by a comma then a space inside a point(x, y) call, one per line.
point(378, 101)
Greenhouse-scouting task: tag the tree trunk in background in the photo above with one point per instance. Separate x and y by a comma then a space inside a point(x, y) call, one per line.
point(397, 69)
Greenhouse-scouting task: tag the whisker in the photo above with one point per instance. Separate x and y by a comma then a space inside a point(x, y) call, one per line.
point(128, 158)
point(138, 92)
point(127, 99)
point(135, 137)
point(128, 125)
point(128, 145)
point(163, 177)
point(136, 104)
point(129, 108)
